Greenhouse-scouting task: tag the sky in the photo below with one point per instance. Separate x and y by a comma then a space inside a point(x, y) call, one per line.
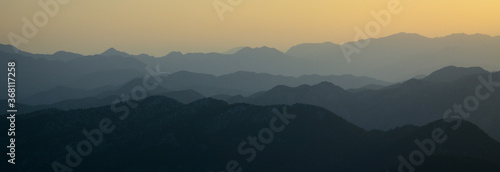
point(157, 27)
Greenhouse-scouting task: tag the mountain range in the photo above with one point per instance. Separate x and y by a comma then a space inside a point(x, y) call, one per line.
point(393, 59)
point(161, 134)
point(238, 83)
point(415, 102)
point(394, 105)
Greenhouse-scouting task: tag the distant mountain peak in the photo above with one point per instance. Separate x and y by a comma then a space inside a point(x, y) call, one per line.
point(327, 85)
point(450, 73)
point(174, 54)
point(404, 35)
point(112, 49)
point(258, 50)
point(467, 36)
point(113, 52)
point(59, 53)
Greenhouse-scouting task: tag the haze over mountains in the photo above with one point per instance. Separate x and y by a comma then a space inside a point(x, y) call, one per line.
point(357, 116)
point(401, 56)
point(384, 58)
point(239, 83)
point(395, 58)
point(68, 79)
point(414, 102)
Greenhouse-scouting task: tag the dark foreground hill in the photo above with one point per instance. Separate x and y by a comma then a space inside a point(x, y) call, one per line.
point(161, 134)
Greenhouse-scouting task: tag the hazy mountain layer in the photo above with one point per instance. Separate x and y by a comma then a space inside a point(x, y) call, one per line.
point(394, 58)
point(415, 102)
point(239, 83)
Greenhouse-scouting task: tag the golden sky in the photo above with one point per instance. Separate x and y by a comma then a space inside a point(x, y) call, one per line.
point(157, 27)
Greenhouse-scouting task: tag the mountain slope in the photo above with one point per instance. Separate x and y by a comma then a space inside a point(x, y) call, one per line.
point(401, 56)
point(451, 73)
point(87, 72)
point(393, 58)
point(414, 102)
point(204, 135)
point(239, 83)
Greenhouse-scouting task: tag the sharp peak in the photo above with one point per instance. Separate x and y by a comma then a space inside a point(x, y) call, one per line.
point(173, 53)
point(113, 51)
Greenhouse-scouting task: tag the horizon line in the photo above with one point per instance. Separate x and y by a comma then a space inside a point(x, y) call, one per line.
point(198, 52)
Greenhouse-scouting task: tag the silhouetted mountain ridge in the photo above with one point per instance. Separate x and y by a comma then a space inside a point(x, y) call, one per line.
point(451, 73)
point(415, 101)
point(327, 58)
point(204, 136)
point(114, 52)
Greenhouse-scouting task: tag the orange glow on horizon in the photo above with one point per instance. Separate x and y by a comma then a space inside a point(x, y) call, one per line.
point(157, 27)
